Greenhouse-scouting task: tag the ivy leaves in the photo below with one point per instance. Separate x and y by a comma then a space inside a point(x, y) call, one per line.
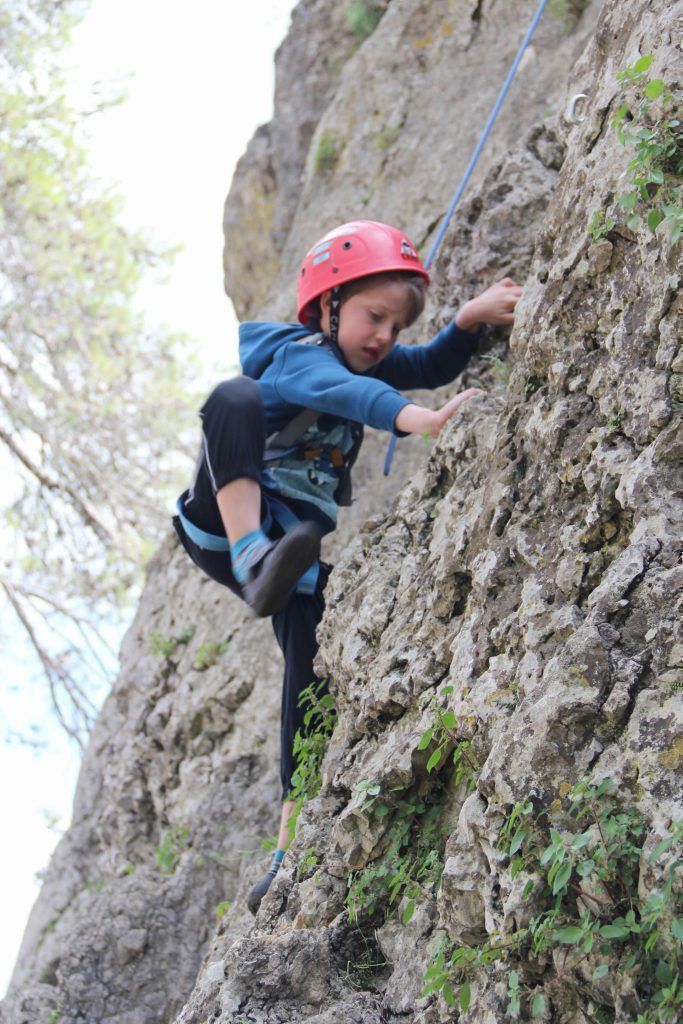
point(647, 122)
point(443, 734)
point(592, 911)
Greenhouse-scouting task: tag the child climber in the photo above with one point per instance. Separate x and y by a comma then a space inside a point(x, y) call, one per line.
point(279, 442)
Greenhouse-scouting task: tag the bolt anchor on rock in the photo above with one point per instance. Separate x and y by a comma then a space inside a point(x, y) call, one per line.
point(575, 112)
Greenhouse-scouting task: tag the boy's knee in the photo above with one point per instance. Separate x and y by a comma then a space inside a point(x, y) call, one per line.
point(239, 394)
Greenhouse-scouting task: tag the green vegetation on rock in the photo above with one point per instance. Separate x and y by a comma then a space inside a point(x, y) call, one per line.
point(442, 737)
point(647, 122)
point(326, 154)
point(164, 646)
point(411, 861)
point(604, 913)
point(309, 746)
point(568, 11)
point(363, 17)
point(209, 653)
point(169, 850)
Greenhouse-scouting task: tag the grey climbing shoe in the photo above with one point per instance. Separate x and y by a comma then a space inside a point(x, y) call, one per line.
point(273, 578)
point(259, 891)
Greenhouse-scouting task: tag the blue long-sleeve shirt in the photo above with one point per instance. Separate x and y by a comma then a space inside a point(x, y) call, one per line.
point(293, 375)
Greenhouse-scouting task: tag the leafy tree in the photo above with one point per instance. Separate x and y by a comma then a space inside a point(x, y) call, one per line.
point(93, 404)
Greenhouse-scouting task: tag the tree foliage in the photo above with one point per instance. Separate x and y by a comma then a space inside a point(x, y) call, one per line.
point(93, 404)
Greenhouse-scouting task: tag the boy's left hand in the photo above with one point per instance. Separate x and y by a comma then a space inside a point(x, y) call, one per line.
point(495, 305)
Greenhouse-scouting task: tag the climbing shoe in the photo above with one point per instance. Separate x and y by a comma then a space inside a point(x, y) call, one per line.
point(259, 891)
point(273, 577)
point(261, 888)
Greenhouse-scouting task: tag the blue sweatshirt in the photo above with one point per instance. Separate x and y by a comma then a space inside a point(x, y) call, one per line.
point(294, 376)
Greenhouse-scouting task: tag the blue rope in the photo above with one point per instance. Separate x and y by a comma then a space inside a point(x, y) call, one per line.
point(486, 132)
point(470, 167)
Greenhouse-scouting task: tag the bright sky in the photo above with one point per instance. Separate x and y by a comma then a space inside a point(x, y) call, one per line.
point(199, 77)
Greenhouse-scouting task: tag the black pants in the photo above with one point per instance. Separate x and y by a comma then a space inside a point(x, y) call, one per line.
point(233, 442)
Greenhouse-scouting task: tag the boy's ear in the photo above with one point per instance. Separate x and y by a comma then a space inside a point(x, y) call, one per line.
point(325, 301)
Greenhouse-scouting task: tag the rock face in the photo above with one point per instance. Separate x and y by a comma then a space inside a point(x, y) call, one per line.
point(385, 128)
point(523, 588)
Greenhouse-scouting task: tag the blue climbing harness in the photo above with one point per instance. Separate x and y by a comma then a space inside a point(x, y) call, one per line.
point(276, 512)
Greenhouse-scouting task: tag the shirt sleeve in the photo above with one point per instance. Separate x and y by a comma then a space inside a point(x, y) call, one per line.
point(312, 377)
point(409, 367)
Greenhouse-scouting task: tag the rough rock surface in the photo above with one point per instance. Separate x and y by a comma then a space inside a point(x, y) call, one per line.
point(532, 563)
point(384, 129)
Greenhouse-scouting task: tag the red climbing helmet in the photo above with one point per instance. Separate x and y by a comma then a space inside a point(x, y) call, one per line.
point(353, 250)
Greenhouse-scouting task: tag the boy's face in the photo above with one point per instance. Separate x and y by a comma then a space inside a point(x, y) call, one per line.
point(369, 323)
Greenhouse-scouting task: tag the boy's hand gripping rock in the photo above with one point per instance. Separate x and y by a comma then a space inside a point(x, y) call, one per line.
point(495, 305)
point(442, 415)
point(414, 419)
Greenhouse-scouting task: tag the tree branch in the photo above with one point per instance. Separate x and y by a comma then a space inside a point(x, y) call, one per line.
point(83, 507)
point(54, 672)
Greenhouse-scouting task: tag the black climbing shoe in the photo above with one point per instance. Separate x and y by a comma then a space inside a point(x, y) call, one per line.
point(274, 577)
point(259, 891)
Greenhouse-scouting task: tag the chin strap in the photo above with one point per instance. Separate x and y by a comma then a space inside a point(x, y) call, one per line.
point(335, 308)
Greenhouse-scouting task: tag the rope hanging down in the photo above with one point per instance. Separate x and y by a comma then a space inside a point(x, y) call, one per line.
point(470, 167)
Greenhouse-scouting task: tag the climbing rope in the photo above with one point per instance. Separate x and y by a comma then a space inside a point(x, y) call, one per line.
point(470, 167)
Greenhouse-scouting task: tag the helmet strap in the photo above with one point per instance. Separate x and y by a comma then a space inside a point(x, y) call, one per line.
point(335, 307)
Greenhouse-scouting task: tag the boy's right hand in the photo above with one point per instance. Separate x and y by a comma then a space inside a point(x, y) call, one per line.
point(442, 415)
point(414, 419)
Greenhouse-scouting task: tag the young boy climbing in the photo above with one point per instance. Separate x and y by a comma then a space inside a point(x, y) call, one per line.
point(279, 442)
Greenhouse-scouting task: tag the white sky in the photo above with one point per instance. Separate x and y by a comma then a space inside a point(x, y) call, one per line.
point(202, 80)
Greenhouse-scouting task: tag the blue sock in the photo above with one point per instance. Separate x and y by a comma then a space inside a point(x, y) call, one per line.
point(245, 551)
point(278, 857)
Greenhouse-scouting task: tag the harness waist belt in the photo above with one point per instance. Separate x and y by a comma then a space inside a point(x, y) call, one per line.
point(277, 511)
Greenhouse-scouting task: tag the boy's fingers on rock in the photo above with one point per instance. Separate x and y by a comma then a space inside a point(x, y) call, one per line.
point(451, 407)
point(456, 402)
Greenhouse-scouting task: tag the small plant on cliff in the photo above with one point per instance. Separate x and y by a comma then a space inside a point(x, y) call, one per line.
point(593, 916)
point(600, 225)
point(363, 17)
point(309, 746)
point(170, 848)
point(410, 863)
point(307, 864)
point(499, 368)
point(209, 653)
point(326, 154)
point(647, 122)
point(165, 646)
point(568, 11)
point(411, 860)
point(615, 421)
point(222, 909)
point(442, 736)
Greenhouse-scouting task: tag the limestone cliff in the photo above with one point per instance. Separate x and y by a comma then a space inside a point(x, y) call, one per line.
point(520, 597)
